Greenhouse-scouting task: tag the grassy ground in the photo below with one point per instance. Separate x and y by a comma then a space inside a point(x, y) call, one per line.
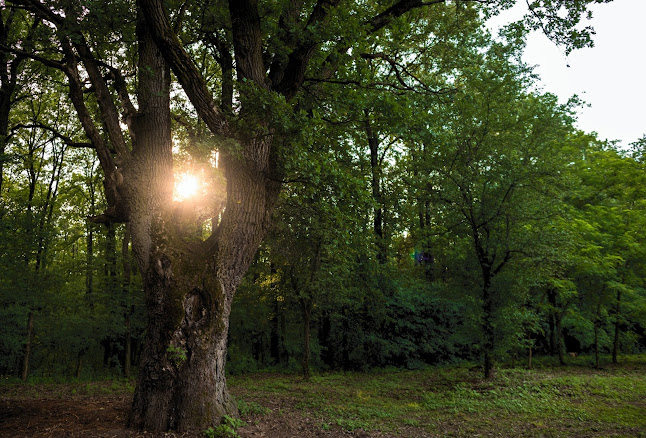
point(453, 401)
point(548, 401)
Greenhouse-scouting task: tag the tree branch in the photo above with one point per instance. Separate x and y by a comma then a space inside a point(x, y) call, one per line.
point(293, 75)
point(55, 133)
point(109, 112)
point(395, 11)
point(247, 41)
point(183, 66)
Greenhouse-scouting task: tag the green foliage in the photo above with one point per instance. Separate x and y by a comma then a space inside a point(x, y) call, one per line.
point(228, 428)
point(247, 408)
point(453, 399)
point(176, 354)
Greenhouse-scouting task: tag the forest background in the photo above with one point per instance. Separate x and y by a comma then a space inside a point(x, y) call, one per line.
point(435, 207)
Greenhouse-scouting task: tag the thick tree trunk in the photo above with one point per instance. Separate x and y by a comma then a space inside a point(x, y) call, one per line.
point(181, 384)
point(127, 308)
point(188, 284)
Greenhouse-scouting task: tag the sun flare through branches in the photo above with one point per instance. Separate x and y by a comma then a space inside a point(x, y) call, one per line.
point(187, 186)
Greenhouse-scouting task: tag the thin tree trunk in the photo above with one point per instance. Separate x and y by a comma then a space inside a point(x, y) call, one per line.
point(24, 375)
point(274, 326)
point(274, 336)
point(89, 264)
point(325, 329)
point(79, 363)
point(559, 337)
point(615, 344)
point(375, 169)
point(597, 325)
point(488, 330)
point(596, 345)
point(529, 357)
point(551, 299)
point(306, 307)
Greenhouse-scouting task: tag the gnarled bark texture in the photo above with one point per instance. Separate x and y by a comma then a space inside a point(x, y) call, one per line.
point(189, 283)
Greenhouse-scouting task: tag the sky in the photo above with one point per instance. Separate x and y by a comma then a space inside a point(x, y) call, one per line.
point(610, 77)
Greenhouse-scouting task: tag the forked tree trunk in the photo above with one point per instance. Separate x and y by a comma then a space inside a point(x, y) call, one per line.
point(188, 284)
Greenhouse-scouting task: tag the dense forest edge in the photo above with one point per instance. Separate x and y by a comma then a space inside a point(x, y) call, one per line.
point(389, 193)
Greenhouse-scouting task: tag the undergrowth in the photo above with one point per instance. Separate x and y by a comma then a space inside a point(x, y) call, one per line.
point(550, 400)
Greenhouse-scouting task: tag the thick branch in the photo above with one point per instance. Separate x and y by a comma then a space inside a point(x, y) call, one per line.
point(294, 73)
point(183, 66)
point(108, 109)
point(247, 40)
point(395, 11)
point(129, 110)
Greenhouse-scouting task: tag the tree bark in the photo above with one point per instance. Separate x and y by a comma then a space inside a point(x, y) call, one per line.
point(188, 284)
point(127, 307)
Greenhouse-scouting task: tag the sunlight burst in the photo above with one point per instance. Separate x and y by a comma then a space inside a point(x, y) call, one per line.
point(186, 186)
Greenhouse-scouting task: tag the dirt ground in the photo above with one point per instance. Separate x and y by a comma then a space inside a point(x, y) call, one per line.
point(105, 416)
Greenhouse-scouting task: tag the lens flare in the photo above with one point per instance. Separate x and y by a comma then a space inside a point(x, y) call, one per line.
point(186, 186)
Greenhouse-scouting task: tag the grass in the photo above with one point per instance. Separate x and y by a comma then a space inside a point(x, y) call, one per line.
point(453, 401)
point(58, 388)
point(573, 400)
